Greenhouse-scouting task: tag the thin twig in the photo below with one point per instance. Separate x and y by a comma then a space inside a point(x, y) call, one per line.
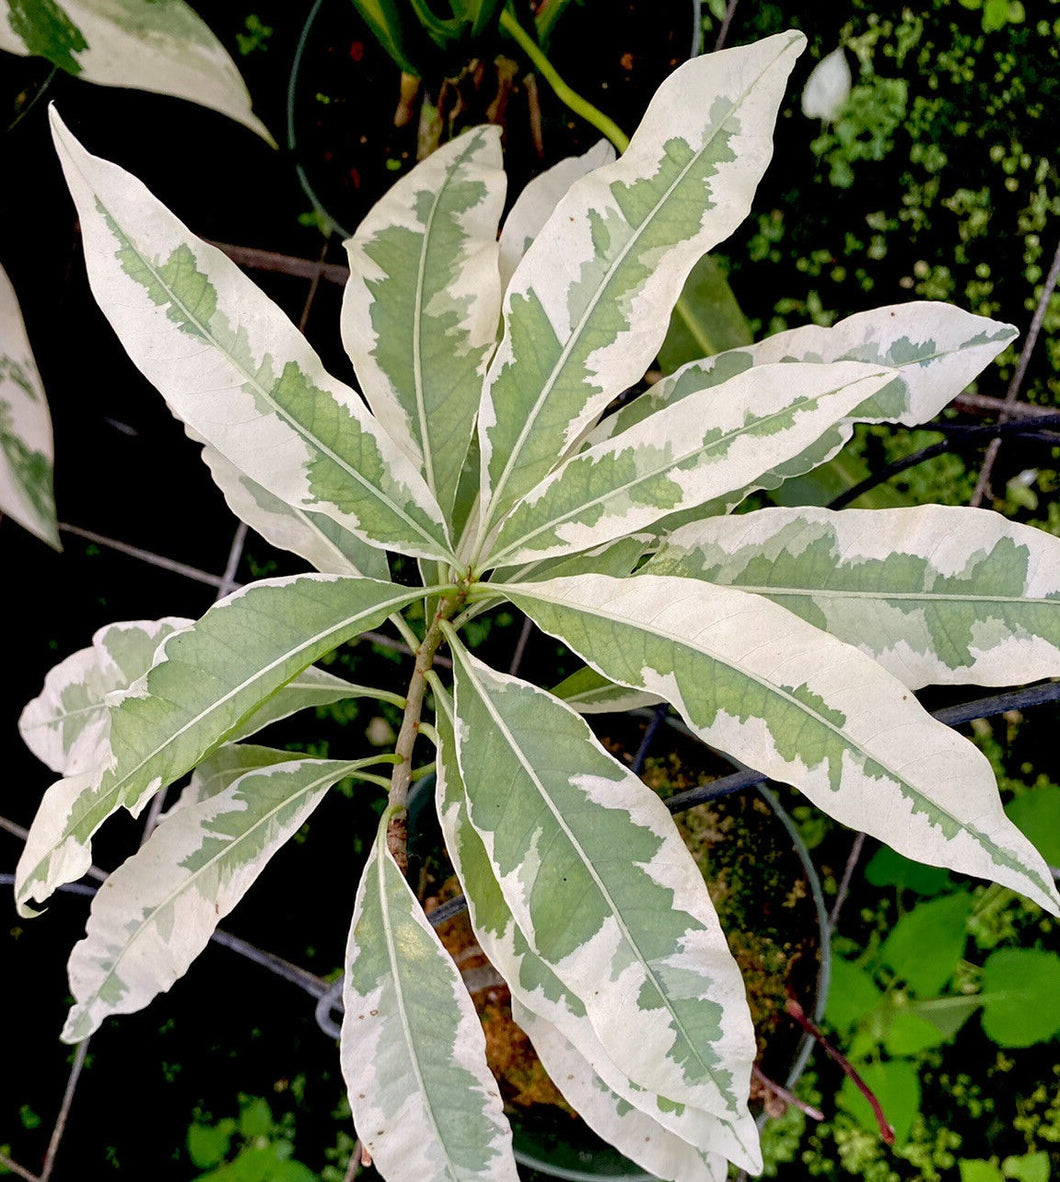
point(520, 646)
point(15, 1168)
point(723, 32)
point(784, 1094)
point(844, 884)
point(314, 285)
point(180, 568)
point(796, 1011)
point(64, 1110)
point(284, 264)
point(982, 485)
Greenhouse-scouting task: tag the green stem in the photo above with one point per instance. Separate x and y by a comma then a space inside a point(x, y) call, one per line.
point(563, 92)
point(407, 634)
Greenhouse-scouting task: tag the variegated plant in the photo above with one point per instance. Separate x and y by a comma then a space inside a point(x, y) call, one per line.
point(483, 448)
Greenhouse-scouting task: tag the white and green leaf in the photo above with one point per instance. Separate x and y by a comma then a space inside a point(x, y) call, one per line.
point(537, 988)
point(158, 910)
point(641, 1138)
point(26, 447)
point(222, 768)
point(706, 446)
point(934, 350)
point(67, 725)
point(937, 594)
point(162, 46)
point(421, 308)
point(322, 542)
point(236, 370)
point(538, 198)
point(207, 681)
point(783, 697)
point(588, 306)
point(588, 692)
point(424, 1102)
point(600, 883)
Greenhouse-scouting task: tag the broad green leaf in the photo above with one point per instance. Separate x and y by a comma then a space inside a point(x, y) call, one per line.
point(886, 868)
point(632, 1132)
point(322, 542)
point(590, 693)
point(236, 370)
point(706, 319)
point(896, 1084)
point(539, 197)
point(787, 699)
point(908, 1033)
point(158, 910)
point(937, 594)
point(67, 725)
point(202, 689)
point(925, 946)
point(156, 45)
point(587, 307)
point(26, 449)
point(935, 350)
point(852, 994)
point(536, 987)
point(421, 308)
point(683, 456)
point(1020, 994)
point(604, 890)
point(1037, 813)
point(425, 1105)
point(946, 1014)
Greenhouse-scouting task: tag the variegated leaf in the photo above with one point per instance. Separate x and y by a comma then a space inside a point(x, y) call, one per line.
point(937, 594)
point(539, 197)
point(205, 683)
point(219, 770)
point(66, 725)
point(603, 888)
point(588, 306)
point(236, 370)
point(663, 1153)
point(26, 448)
point(425, 1105)
point(160, 46)
point(589, 693)
point(421, 308)
point(934, 350)
point(683, 456)
point(787, 699)
point(158, 910)
point(535, 986)
point(322, 542)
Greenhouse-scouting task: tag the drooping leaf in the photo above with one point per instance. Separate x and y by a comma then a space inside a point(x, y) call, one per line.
point(683, 456)
point(535, 987)
point(162, 46)
point(236, 370)
point(604, 890)
point(322, 542)
point(627, 1128)
point(200, 691)
point(66, 725)
point(587, 307)
point(425, 1104)
point(26, 449)
point(539, 197)
point(420, 310)
point(219, 770)
point(158, 910)
point(787, 699)
point(937, 594)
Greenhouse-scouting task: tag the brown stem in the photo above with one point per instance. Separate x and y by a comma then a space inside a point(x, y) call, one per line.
point(782, 1093)
point(796, 1012)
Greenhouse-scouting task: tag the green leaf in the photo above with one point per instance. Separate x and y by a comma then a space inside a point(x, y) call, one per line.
point(682, 457)
point(235, 369)
point(852, 995)
point(926, 944)
point(617, 910)
point(413, 1053)
point(383, 17)
point(555, 1018)
point(161, 46)
point(937, 594)
point(1020, 994)
point(886, 868)
point(208, 1144)
point(589, 693)
point(706, 319)
point(26, 448)
point(1037, 814)
point(974, 1170)
point(909, 1033)
point(203, 687)
point(421, 308)
point(587, 307)
point(787, 699)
